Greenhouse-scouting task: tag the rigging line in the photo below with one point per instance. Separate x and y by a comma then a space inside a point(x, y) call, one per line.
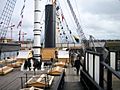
point(65, 20)
point(84, 41)
point(78, 12)
point(79, 28)
point(6, 16)
point(74, 15)
point(68, 30)
point(74, 25)
point(69, 13)
point(67, 27)
point(43, 12)
point(43, 21)
point(61, 25)
point(63, 35)
point(21, 19)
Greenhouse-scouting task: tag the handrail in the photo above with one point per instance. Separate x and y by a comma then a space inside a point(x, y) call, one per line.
point(111, 69)
point(85, 75)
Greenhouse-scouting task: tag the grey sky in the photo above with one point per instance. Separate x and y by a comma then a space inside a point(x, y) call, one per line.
point(100, 18)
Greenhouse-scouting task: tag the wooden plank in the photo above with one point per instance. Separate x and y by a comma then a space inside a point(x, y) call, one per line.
point(11, 81)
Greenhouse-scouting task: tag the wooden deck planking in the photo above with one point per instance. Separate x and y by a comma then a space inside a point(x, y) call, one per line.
point(72, 81)
point(10, 80)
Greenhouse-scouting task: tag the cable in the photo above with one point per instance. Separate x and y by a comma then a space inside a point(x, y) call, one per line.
point(5, 17)
point(66, 22)
point(68, 10)
point(79, 28)
point(78, 12)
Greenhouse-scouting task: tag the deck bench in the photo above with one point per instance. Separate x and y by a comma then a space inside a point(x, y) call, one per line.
point(4, 70)
point(40, 82)
point(55, 71)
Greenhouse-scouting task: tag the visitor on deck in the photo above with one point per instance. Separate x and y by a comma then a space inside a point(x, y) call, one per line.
point(77, 65)
point(34, 63)
point(29, 63)
point(56, 54)
point(39, 64)
point(25, 64)
point(72, 58)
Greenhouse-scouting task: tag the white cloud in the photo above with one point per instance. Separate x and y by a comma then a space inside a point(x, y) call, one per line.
point(100, 27)
point(100, 18)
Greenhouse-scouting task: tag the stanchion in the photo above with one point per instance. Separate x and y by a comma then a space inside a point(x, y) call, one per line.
point(21, 82)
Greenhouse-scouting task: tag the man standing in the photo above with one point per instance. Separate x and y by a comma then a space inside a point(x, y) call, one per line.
point(77, 65)
point(29, 63)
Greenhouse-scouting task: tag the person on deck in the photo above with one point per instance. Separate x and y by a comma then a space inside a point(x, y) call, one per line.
point(77, 65)
point(56, 55)
point(25, 64)
point(29, 63)
point(34, 63)
point(72, 58)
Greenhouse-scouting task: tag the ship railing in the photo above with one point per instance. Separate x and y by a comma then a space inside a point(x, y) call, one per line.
point(100, 74)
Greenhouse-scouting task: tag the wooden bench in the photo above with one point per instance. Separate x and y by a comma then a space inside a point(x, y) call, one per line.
point(41, 81)
point(56, 71)
point(4, 70)
point(61, 64)
point(14, 65)
point(58, 82)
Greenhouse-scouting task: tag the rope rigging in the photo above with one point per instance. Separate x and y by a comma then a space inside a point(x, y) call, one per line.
point(20, 22)
point(5, 17)
point(68, 36)
point(79, 28)
point(70, 33)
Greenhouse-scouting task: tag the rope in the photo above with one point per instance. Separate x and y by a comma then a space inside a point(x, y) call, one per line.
point(79, 28)
point(78, 11)
point(64, 20)
point(6, 17)
point(21, 20)
point(21, 15)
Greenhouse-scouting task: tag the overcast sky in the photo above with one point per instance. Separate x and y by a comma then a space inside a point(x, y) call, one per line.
point(100, 18)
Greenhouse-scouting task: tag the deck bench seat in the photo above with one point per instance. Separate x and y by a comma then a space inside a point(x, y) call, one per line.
point(56, 71)
point(14, 65)
point(60, 64)
point(39, 81)
point(4, 70)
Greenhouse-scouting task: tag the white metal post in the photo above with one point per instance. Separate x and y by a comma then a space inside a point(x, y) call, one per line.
point(37, 31)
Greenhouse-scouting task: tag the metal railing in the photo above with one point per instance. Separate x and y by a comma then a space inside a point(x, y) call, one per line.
point(96, 73)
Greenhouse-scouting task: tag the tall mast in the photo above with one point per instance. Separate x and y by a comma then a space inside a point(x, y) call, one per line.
point(37, 30)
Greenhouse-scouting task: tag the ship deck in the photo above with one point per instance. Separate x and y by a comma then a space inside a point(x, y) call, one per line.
point(72, 81)
point(12, 80)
